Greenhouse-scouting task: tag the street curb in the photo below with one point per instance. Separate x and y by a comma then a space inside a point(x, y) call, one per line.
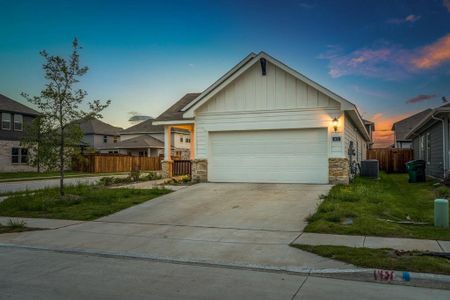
point(425, 280)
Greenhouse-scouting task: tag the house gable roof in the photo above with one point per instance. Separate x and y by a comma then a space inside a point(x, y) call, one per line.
point(247, 63)
point(10, 105)
point(95, 126)
point(175, 112)
point(142, 141)
point(244, 65)
point(144, 127)
point(426, 117)
point(184, 109)
point(403, 127)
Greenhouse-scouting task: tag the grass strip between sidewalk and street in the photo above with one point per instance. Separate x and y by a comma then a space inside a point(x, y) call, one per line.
point(381, 207)
point(412, 261)
point(82, 202)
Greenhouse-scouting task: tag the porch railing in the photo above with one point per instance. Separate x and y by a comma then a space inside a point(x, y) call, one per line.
point(182, 167)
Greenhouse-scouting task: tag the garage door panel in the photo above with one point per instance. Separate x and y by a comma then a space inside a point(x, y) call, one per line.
point(269, 156)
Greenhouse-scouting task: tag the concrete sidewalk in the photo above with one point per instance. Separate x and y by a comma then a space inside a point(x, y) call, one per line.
point(40, 223)
point(360, 241)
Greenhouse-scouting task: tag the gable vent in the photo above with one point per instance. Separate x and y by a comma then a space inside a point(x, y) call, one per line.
point(263, 63)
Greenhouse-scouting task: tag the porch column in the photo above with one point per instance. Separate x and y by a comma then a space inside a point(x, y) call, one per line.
point(192, 149)
point(166, 164)
point(167, 143)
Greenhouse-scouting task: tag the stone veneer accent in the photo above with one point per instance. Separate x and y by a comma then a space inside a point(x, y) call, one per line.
point(5, 158)
point(166, 168)
point(200, 170)
point(338, 171)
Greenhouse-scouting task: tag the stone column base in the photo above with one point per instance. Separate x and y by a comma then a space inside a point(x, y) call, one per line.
point(166, 168)
point(338, 171)
point(199, 170)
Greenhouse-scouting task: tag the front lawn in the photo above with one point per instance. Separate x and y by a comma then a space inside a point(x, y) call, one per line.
point(372, 207)
point(412, 261)
point(80, 203)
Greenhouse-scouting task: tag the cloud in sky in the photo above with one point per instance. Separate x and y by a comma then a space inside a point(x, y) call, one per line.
point(419, 98)
point(384, 136)
point(434, 54)
point(391, 62)
point(407, 19)
point(446, 4)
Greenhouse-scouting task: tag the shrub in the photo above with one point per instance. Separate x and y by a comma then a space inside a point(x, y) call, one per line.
point(153, 176)
point(135, 175)
point(106, 181)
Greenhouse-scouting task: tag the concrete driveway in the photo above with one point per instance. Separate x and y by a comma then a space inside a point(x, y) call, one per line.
point(229, 224)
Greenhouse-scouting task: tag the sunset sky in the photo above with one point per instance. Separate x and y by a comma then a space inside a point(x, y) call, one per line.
point(391, 58)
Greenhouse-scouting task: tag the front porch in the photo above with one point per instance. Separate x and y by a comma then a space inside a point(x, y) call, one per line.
point(172, 165)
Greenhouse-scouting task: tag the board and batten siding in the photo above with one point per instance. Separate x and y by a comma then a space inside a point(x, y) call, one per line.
point(273, 102)
point(434, 166)
point(351, 133)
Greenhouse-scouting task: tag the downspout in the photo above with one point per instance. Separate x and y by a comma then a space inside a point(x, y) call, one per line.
point(444, 143)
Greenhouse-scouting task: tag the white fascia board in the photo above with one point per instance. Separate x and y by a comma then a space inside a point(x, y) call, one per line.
point(174, 122)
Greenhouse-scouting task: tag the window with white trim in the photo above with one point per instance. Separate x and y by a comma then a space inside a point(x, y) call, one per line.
point(428, 158)
point(105, 139)
point(6, 121)
point(18, 122)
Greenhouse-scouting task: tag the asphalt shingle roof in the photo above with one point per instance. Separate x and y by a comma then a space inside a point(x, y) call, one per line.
point(403, 127)
point(142, 141)
point(8, 104)
point(95, 126)
point(144, 127)
point(174, 112)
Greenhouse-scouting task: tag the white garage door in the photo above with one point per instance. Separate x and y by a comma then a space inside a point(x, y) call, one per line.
point(279, 156)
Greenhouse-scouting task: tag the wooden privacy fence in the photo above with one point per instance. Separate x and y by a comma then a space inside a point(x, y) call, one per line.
point(98, 163)
point(181, 167)
point(391, 160)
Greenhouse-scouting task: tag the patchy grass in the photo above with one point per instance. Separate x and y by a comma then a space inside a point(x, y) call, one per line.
point(412, 261)
point(14, 226)
point(80, 203)
point(22, 176)
point(371, 202)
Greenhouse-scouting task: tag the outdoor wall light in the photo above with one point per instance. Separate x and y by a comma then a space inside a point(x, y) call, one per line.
point(335, 123)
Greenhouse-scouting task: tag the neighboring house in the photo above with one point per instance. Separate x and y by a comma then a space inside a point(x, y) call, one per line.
point(98, 134)
point(370, 127)
point(265, 122)
point(146, 139)
point(403, 127)
point(430, 140)
point(14, 119)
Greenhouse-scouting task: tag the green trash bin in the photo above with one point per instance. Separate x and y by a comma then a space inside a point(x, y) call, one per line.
point(416, 170)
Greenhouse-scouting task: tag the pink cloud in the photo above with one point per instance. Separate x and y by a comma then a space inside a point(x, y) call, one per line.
point(407, 19)
point(420, 98)
point(446, 4)
point(434, 54)
point(389, 62)
point(379, 62)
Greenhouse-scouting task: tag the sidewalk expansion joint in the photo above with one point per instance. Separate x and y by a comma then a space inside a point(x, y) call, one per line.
point(420, 279)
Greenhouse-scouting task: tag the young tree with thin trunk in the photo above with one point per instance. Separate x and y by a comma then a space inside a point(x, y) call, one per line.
point(61, 106)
